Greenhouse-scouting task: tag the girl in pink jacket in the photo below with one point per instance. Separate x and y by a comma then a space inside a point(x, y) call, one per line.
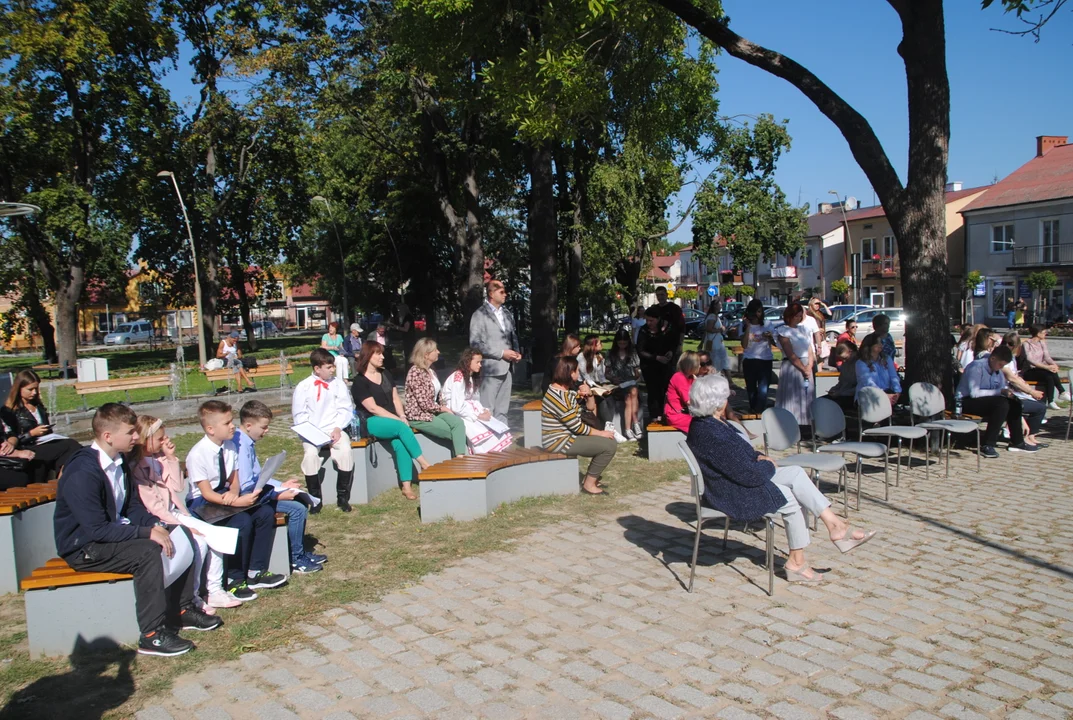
point(676, 408)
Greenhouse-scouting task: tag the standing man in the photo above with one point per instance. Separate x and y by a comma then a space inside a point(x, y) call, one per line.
point(673, 320)
point(491, 330)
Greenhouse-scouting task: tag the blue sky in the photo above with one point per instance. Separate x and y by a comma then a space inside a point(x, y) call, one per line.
point(1005, 90)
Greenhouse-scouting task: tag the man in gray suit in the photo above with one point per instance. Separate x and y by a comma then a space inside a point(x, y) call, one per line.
point(491, 330)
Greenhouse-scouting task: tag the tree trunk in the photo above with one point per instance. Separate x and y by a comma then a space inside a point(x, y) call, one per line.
point(237, 274)
point(68, 290)
point(210, 290)
point(543, 253)
point(569, 208)
point(32, 299)
point(471, 253)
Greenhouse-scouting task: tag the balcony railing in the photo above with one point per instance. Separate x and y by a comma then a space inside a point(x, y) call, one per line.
point(883, 267)
point(1043, 255)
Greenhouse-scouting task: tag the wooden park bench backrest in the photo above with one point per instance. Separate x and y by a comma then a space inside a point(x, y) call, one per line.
point(16, 499)
point(466, 467)
point(126, 383)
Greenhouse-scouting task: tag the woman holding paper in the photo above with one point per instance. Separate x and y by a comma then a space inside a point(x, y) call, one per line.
point(162, 489)
point(591, 367)
point(27, 417)
point(461, 394)
point(624, 370)
point(379, 405)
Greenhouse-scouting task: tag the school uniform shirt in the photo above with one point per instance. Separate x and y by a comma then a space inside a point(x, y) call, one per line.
point(113, 470)
point(325, 404)
point(249, 467)
point(203, 463)
point(978, 381)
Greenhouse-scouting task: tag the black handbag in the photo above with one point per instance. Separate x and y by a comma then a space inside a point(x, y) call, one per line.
point(250, 363)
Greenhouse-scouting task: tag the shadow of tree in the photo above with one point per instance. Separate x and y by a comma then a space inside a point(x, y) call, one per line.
point(99, 680)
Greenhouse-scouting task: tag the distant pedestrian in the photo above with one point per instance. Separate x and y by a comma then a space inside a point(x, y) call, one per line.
point(492, 331)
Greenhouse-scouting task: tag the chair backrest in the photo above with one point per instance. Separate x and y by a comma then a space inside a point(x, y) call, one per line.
point(828, 422)
point(925, 400)
point(694, 470)
point(780, 429)
point(873, 405)
point(1071, 378)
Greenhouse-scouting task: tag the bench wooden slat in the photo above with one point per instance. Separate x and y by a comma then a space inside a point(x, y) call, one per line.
point(266, 370)
point(127, 383)
point(480, 466)
point(660, 427)
point(57, 573)
point(281, 519)
point(533, 405)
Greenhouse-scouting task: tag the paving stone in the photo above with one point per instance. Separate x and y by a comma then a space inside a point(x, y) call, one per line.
point(426, 700)
point(211, 712)
point(154, 712)
point(308, 699)
point(274, 711)
point(353, 688)
point(610, 710)
point(659, 707)
point(189, 695)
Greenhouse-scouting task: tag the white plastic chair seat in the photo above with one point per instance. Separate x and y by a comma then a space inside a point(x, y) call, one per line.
point(906, 432)
point(955, 426)
point(867, 449)
point(814, 461)
point(707, 513)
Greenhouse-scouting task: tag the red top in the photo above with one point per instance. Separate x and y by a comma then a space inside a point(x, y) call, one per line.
point(676, 408)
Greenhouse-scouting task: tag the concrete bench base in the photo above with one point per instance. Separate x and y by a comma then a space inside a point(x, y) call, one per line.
point(280, 560)
point(469, 499)
point(663, 444)
point(375, 470)
point(532, 437)
point(27, 541)
point(59, 620)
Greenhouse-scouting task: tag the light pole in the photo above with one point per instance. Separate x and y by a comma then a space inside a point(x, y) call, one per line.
point(846, 254)
point(202, 358)
point(395, 249)
point(342, 258)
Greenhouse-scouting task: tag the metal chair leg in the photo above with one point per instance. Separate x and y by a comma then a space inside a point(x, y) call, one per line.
point(770, 540)
point(927, 458)
point(977, 449)
point(696, 551)
point(726, 532)
point(949, 442)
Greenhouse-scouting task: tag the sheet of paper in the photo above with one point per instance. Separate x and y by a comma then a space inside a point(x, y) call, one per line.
point(50, 437)
point(312, 434)
point(177, 563)
point(496, 425)
point(269, 469)
point(221, 539)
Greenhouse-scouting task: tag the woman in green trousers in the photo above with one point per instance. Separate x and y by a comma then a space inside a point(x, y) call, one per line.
point(423, 408)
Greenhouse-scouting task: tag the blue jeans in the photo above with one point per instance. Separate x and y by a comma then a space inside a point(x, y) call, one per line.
point(256, 531)
point(1009, 319)
point(296, 526)
point(757, 376)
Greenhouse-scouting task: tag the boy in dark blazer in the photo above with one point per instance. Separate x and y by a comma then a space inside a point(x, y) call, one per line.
point(102, 526)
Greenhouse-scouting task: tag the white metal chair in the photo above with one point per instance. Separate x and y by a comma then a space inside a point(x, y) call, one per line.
point(829, 426)
point(781, 432)
point(705, 514)
point(873, 406)
point(926, 400)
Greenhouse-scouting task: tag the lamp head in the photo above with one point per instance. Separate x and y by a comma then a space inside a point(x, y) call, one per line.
point(320, 198)
point(833, 192)
point(164, 174)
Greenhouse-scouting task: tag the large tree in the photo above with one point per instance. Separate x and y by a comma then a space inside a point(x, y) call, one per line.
point(916, 207)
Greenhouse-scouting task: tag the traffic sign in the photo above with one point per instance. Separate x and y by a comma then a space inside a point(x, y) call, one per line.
point(712, 291)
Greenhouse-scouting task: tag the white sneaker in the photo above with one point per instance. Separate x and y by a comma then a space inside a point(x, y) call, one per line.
point(619, 438)
point(221, 599)
point(630, 434)
point(638, 430)
point(1064, 395)
point(1054, 406)
point(609, 426)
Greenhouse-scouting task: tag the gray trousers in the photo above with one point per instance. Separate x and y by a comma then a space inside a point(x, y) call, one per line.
point(799, 491)
point(495, 394)
point(601, 449)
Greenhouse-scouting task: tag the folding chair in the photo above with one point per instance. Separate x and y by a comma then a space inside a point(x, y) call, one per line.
point(829, 426)
point(1070, 418)
point(705, 514)
point(873, 406)
point(926, 400)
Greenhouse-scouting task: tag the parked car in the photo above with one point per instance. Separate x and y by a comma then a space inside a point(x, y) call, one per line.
point(261, 329)
point(840, 312)
point(864, 323)
point(130, 332)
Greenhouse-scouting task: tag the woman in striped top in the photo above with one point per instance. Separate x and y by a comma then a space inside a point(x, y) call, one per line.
point(563, 431)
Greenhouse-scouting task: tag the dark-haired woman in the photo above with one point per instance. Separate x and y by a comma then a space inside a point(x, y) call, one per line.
point(624, 370)
point(28, 420)
point(563, 431)
point(656, 348)
point(1038, 365)
point(756, 358)
point(461, 395)
point(592, 370)
point(795, 391)
point(378, 402)
point(571, 347)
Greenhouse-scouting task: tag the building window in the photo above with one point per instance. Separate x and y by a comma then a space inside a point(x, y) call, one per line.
point(1001, 238)
point(1003, 292)
point(890, 247)
point(1049, 240)
point(868, 248)
point(806, 257)
point(888, 296)
point(186, 319)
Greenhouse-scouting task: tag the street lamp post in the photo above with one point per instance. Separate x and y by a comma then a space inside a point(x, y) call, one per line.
point(342, 258)
point(202, 358)
point(846, 254)
point(394, 249)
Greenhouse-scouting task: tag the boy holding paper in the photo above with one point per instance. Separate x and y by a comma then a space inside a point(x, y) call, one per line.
point(102, 526)
point(212, 467)
point(254, 419)
point(322, 401)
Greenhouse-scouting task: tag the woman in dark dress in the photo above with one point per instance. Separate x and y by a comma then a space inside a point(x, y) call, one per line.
point(747, 485)
point(27, 417)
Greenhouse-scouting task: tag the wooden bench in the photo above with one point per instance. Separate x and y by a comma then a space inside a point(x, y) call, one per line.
point(124, 384)
point(825, 380)
point(66, 608)
point(26, 534)
point(49, 369)
point(472, 486)
point(280, 560)
point(375, 467)
point(226, 376)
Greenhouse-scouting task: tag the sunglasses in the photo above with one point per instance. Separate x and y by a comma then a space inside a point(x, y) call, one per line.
point(706, 364)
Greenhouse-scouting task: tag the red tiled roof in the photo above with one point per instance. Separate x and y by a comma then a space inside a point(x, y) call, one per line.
point(657, 274)
point(1042, 178)
point(663, 260)
point(877, 211)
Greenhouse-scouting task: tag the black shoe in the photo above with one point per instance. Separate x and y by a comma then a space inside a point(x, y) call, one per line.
point(1023, 448)
point(190, 618)
point(988, 451)
point(265, 579)
point(318, 559)
point(344, 506)
point(241, 592)
point(315, 509)
point(163, 642)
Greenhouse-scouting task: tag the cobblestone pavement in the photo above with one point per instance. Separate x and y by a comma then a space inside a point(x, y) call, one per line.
point(961, 608)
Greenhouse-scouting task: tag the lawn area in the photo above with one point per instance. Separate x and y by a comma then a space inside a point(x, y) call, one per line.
point(377, 549)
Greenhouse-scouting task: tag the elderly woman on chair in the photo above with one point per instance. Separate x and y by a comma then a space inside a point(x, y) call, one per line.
point(746, 484)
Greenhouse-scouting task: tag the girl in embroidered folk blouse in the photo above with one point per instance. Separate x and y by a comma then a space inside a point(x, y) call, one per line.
point(461, 394)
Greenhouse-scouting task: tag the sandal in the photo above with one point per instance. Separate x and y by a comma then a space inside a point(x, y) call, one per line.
point(798, 576)
point(848, 543)
point(590, 492)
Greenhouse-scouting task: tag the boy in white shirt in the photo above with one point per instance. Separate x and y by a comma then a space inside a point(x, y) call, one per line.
point(212, 468)
point(323, 400)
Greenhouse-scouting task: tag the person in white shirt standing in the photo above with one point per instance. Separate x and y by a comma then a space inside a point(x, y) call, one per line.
point(491, 330)
point(323, 400)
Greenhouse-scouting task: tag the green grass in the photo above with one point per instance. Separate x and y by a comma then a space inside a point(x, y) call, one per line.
point(377, 549)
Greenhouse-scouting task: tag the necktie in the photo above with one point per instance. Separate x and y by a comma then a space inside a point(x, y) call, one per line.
point(320, 384)
point(223, 472)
